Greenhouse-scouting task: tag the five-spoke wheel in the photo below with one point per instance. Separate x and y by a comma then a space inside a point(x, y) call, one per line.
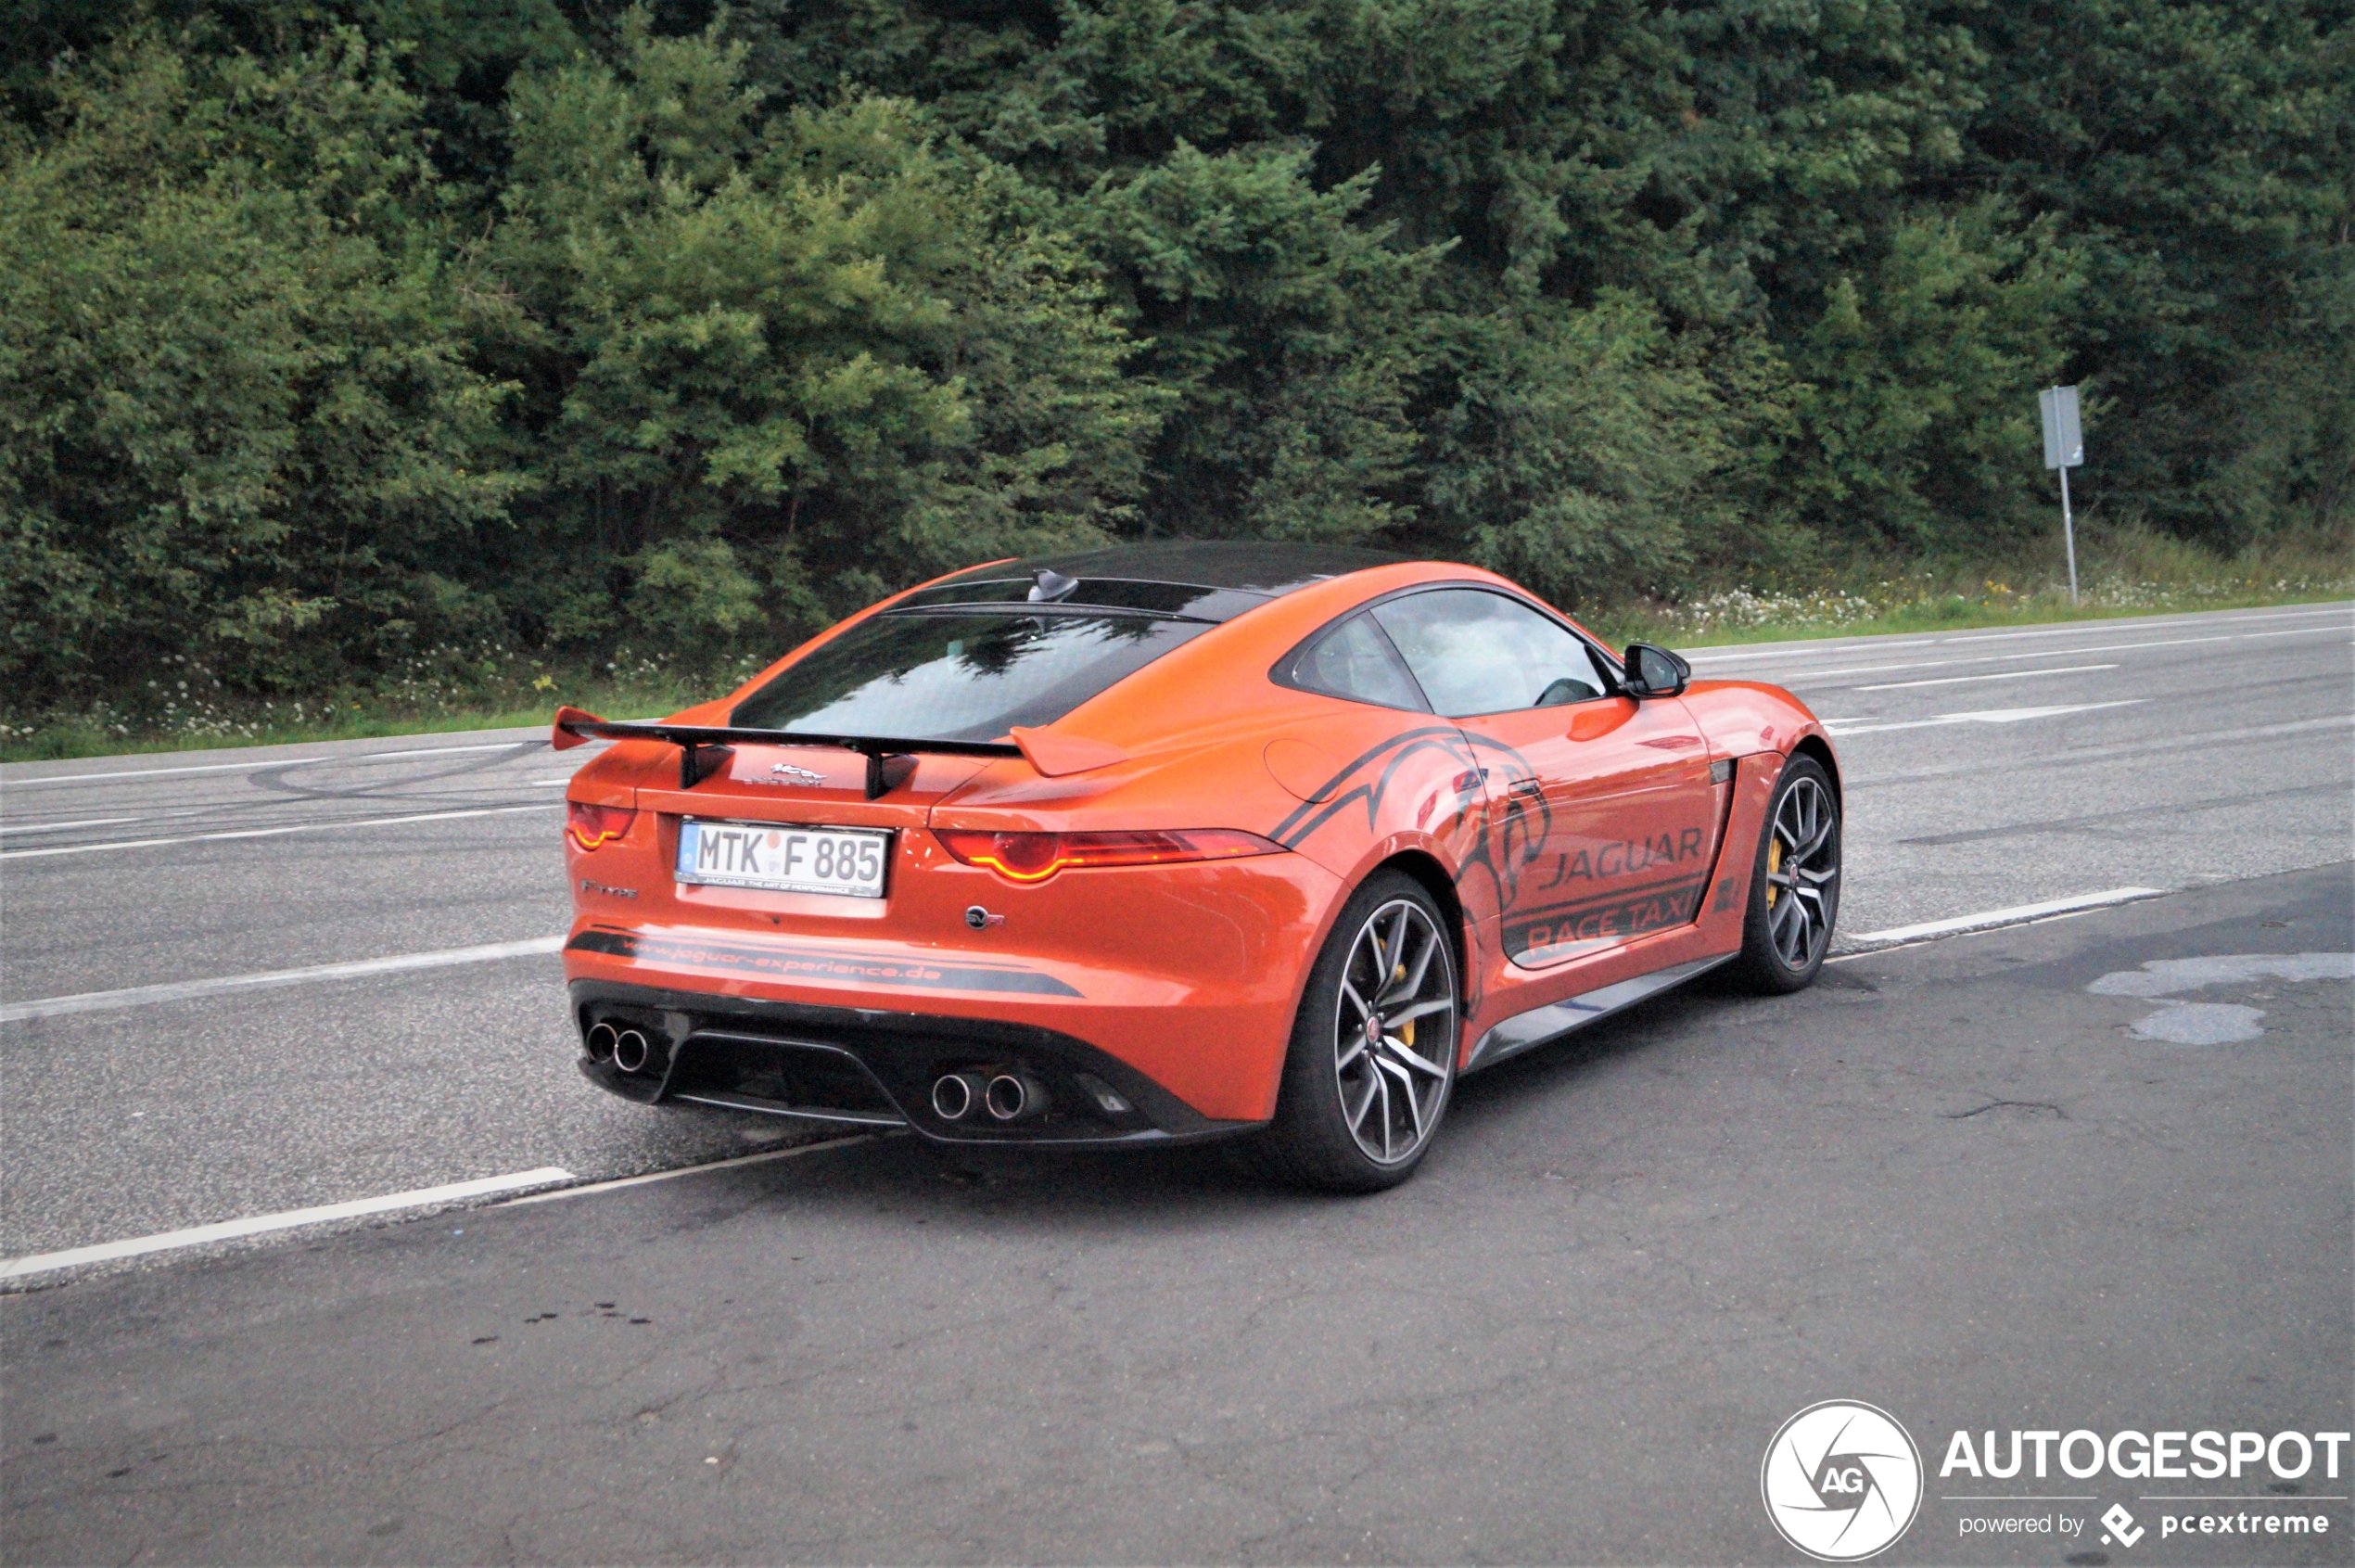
point(1398, 988)
point(1373, 1053)
point(1795, 894)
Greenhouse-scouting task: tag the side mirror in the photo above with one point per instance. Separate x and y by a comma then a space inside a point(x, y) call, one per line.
point(1655, 672)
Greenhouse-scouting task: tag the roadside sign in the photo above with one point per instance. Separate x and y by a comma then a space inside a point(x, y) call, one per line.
point(2064, 442)
point(2064, 449)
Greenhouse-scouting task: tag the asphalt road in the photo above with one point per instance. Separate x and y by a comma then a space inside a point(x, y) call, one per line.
point(1985, 770)
point(1970, 1182)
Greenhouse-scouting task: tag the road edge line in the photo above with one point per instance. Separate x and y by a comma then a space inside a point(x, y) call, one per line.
point(588, 1188)
point(1994, 920)
point(285, 1220)
point(108, 846)
point(348, 968)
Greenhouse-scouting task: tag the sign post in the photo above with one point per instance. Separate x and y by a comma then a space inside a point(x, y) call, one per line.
point(2064, 449)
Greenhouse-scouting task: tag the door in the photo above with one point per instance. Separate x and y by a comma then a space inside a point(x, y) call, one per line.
point(1603, 819)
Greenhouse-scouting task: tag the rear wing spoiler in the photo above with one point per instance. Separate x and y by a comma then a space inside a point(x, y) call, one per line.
point(704, 749)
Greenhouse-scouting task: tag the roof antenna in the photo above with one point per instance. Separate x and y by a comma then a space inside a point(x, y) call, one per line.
point(1052, 587)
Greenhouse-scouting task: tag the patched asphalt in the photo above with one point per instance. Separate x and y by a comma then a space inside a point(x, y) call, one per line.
point(1950, 1180)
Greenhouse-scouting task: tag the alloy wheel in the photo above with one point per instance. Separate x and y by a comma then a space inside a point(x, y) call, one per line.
point(1394, 1031)
point(1802, 872)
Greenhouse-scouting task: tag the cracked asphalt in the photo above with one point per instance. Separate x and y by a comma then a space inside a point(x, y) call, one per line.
point(1951, 1181)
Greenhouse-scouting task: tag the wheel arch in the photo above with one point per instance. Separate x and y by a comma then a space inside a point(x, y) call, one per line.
point(1425, 869)
point(1819, 748)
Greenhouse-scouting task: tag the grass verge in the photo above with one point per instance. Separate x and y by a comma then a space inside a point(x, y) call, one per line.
point(2124, 573)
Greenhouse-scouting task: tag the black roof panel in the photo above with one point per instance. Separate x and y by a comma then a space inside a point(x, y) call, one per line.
point(1265, 567)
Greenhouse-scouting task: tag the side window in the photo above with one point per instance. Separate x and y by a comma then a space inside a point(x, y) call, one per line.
point(1476, 652)
point(1354, 660)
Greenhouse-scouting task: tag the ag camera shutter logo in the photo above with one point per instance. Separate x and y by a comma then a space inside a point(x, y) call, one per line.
point(1841, 1481)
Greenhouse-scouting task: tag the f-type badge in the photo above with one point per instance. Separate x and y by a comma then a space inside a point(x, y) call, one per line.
point(786, 773)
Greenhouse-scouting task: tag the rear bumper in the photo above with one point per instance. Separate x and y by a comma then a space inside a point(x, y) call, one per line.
point(873, 1067)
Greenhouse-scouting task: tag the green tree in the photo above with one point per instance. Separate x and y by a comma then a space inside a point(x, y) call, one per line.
point(236, 420)
point(778, 362)
point(1918, 431)
point(2199, 157)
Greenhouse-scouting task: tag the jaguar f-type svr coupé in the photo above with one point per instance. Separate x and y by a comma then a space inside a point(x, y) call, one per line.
point(1173, 842)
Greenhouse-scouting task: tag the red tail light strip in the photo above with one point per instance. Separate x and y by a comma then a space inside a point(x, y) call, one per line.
point(589, 826)
point(1034, 857)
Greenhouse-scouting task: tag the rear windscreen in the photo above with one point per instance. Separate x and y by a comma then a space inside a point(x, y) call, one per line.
point(958, 675)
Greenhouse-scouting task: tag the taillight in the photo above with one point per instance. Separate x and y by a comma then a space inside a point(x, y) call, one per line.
point(1034, 857)
point(592, 825)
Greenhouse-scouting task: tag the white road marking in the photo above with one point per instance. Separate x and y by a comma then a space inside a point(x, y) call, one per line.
point(160, 772)
point(2000, 675)
point(2018, 914)
point(437, 750)
point(588, 1188)
point(250, 766)
point(1797, 676)
point(2157, 623)
point(1839, 729)
point(185, 990)
point(274, 832)
point(2049, 653)
point(60, 827)
point(2198, 740)
point(1866, 643)
point(260, 1224)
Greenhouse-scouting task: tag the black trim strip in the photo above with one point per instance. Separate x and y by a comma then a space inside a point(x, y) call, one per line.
point(1548, 1022)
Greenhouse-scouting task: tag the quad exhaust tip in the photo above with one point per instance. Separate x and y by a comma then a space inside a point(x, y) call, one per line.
point(1001, 1097)
point(1014, 1096)
point(631, 1051)
point(956, 1096)
point(601, 1041)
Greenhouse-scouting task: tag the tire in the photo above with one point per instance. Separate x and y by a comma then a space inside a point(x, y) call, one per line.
point(1356, 1113)
point(1794, 886)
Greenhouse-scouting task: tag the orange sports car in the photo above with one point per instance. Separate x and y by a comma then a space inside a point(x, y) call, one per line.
point(1172, 842)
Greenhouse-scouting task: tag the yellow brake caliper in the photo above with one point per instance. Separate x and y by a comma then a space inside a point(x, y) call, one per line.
point(1773, 864)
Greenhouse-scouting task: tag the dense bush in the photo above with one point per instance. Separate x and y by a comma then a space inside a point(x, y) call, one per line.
point(338, 330)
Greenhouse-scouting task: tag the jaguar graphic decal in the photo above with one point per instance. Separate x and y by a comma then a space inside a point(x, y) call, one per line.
point(1501, 849)
point(1555, 900)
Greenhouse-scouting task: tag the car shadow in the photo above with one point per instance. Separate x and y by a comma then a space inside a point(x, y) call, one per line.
point(1207, 1185)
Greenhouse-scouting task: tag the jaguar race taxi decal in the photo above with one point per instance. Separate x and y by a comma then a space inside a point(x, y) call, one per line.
point(1591, 895)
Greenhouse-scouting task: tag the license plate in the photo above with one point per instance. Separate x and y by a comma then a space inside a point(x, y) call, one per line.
point(847, 861)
